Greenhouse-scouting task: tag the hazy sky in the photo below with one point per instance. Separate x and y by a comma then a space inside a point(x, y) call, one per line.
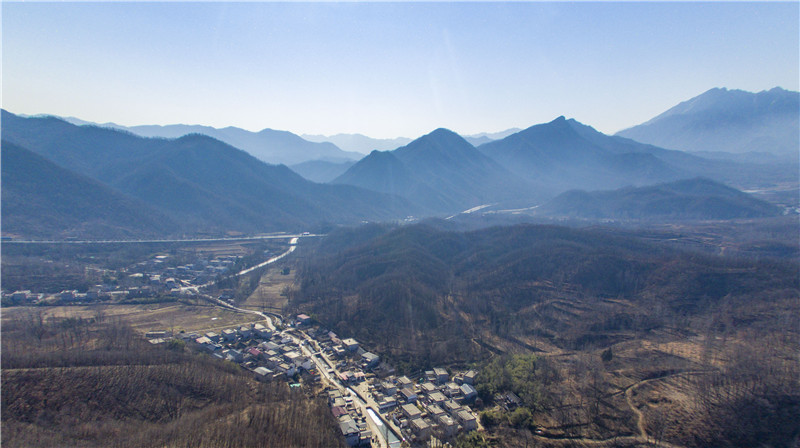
point(387, 69)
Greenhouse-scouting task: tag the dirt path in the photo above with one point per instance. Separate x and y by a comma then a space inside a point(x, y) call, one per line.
point(640, 423)
point(642, 438)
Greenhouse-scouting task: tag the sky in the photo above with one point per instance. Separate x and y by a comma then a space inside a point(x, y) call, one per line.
point(388, 69)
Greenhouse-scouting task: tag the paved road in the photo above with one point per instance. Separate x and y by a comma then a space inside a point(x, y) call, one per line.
point(178, 240)
point(323, 364)
point(267, 316)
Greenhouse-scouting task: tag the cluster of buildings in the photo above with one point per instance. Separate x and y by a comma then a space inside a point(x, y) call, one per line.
point(269, 355)
point(159, 276)
point(436, 404)
point(160, 270)
point(352, 421)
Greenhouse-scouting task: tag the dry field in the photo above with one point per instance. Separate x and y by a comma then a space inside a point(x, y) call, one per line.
point(270, 295)
point(144, 318)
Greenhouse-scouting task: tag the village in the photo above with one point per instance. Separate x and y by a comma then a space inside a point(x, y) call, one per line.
point(161, 276)
point(373, 405)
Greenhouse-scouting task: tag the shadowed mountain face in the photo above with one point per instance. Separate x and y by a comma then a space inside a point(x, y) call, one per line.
point(565, 154)
point(321, 171)
point(731, 121)
point(694, 199)
point(440, 171)
point(201, 182)
point(41, 199)
point(267, 145)
point(417, 292)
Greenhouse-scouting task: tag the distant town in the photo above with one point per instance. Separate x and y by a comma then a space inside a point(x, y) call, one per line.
point(160, 276)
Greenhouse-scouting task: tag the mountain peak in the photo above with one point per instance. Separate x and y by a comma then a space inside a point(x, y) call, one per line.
point(443, 133)
point(727, 120)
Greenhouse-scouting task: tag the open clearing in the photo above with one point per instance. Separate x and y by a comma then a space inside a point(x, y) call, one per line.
point(144, 318)
point(270, 294)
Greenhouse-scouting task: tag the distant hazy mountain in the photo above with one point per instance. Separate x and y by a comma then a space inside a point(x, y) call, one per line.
point(732, 121)
point(486, 137)
point(441, 171)
point(365, 145)
point(565, 154)
point(268, 145)
point(696, 199)
point(41, 199)
point(359, 143)
point(477, 141)
point(201, 182)
point(321, 171)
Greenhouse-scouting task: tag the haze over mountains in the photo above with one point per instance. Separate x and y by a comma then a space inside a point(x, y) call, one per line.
point(197, 183)
point(732, 121)
point(41, 199)
point(365, 145)
point(201, 183)
point(267, 145)
point(440, 171)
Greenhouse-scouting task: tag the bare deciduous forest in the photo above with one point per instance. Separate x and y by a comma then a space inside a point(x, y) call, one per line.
point(607, 338)
point(93, 382)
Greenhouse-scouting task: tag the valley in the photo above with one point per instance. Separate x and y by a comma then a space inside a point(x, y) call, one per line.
point(551, 286)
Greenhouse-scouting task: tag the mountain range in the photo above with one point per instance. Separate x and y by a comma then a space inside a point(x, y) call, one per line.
point(40, 199)
point(440, 171)
point(267, 145)
point(197, 181)
point(444, 173)
point(732, 121)
point(365, 145)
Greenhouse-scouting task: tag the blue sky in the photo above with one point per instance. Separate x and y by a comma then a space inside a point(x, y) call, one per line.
point(387, 69)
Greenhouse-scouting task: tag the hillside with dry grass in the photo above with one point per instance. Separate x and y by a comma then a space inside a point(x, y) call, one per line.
point(607, 338)
point(80, 382)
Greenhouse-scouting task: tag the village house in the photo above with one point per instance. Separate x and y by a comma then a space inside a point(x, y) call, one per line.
point(408, 395)
point(233, 355)
point(229, 334)
point(437, 398)
point(350, 344)
point(469, 392)
point(386, 404)
point(427, 388)
point(213, 336)
point(451, 407)
point(447, 425)
point(262, 331)
point(349, 430)
point(452, 389)
point(245, 332)
point(263, 374)
point(421, 429)
point(441, 375)
point(467, 420)
point(388, 388)
point(434, 411)
point(370, 359)
point(403, 383)
point(411, 411)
